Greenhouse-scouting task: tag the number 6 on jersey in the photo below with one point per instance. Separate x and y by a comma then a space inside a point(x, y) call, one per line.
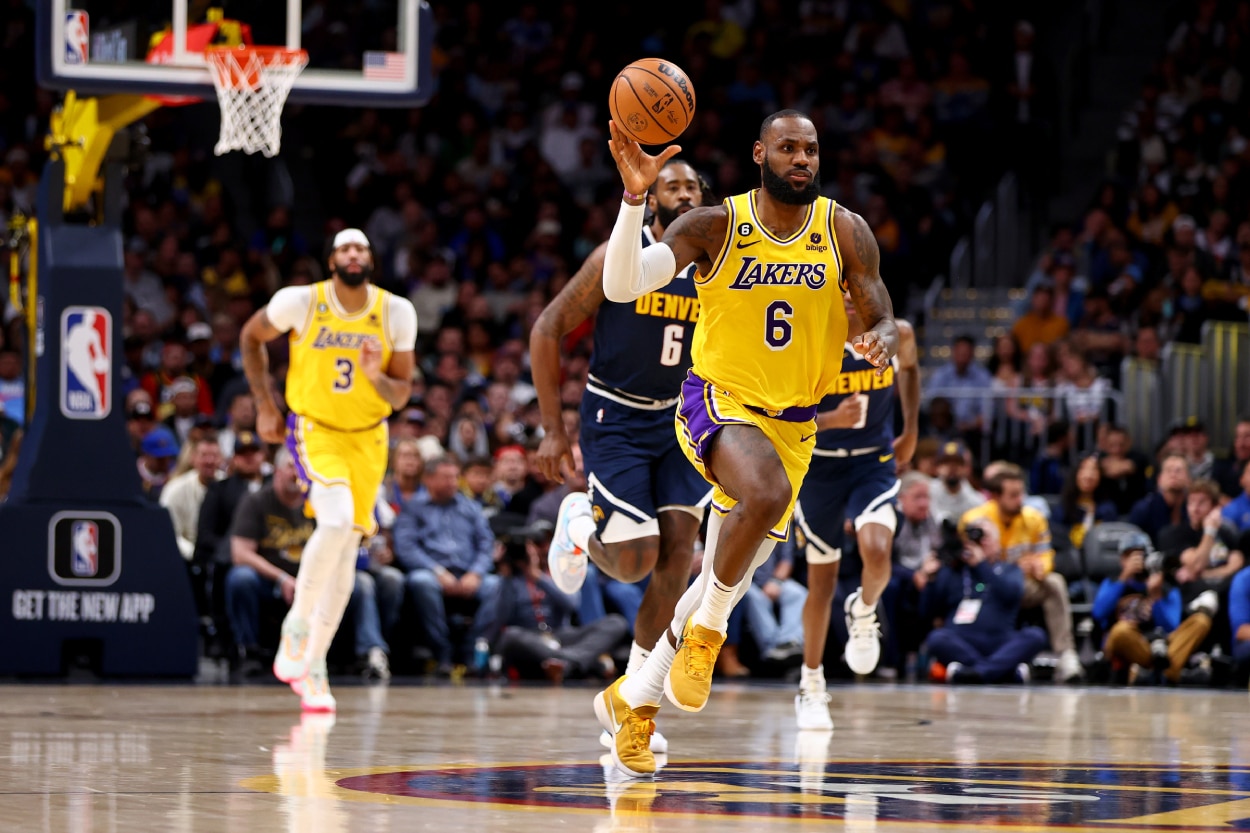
point(777, 327)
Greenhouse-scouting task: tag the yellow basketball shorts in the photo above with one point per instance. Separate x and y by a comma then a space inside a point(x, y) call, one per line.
point(330, 457)
point(703, 409)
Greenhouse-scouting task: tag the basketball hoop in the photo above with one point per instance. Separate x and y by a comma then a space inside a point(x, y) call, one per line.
point(252, 84)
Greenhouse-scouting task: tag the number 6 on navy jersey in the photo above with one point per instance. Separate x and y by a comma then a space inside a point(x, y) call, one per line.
point(777, 328)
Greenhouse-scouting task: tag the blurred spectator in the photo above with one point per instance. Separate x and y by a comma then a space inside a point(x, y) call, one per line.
point(404, 480)
point(184, 494)
point(950, 494)
point(1124, 471)
point(774, 606)
point(1239, 621)
point(975, 597)
point(1227, 470)
point(446, 547)
point(1166, 505)
point(171, 377)
point(536, 635)
point(1040, 325)
point(1082, 504)
point(968, 376)
point(157, 452)
point(1024, 540)
point(914, 562)
point(1237, 511)
point(1208, 547)
point(1142, 617)
point(12, 385)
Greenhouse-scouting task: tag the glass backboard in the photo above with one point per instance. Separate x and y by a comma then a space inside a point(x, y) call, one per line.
point(361, 52)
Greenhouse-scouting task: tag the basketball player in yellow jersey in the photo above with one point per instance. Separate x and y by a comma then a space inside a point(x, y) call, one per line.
point(351, 365)
point(768, 348)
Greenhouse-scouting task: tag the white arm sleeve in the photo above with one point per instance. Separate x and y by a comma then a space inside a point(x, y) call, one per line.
point(288, 308)
point(401, 320)
point(629, 270)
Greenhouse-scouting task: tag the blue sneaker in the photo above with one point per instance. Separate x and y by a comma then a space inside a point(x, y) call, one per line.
point(566, 560)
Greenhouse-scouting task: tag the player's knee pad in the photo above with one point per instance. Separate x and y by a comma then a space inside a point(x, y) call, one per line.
point(334, 510)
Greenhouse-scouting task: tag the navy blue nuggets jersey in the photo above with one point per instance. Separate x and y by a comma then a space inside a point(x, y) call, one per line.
point(642, 348)
point(859, 378)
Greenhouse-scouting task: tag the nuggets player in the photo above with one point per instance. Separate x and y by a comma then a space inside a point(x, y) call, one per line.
point(351, 365)
point(770, 265)
point(852, 477)
point(646, 501)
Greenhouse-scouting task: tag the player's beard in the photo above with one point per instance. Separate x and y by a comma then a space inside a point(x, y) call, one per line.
point(667, 215)
point(366, 272)
point(780, 189)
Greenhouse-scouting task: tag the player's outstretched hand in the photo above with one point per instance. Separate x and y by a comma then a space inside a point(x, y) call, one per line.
point(553, 451)
point(638, 169)
point(875, 349)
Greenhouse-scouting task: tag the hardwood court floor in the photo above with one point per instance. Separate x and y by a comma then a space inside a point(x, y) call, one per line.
point(215, 759)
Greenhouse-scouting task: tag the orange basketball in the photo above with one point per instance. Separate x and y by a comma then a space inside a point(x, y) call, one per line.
point(652, 101)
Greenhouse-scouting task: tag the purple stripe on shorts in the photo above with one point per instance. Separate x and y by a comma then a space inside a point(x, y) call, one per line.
point(292, 445)
point(694, 414)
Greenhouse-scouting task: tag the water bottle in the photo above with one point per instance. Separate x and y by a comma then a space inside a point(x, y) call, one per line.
point(481, 655)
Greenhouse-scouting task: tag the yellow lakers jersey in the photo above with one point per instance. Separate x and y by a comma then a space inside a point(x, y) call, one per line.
point(771, 309)
point(324, 382)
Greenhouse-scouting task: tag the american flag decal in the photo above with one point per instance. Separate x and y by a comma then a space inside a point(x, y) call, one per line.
point(384, 66)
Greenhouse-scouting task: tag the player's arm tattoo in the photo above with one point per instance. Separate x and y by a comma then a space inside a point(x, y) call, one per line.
point(862, 273)
point(256, 333)
point(697, 236)
point(908, 380)
point(579, 299)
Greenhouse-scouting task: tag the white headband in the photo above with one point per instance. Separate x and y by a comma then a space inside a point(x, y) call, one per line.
point(351, 235)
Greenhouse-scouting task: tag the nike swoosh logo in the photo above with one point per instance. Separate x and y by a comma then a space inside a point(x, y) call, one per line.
point(885, 458)
point(808, 437)
point(742, 245)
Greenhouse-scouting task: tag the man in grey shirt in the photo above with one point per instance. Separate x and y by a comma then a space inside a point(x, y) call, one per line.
point(950, 494)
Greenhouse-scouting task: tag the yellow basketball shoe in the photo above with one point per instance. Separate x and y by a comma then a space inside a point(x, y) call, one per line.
point(631, 729)
point(689, 680)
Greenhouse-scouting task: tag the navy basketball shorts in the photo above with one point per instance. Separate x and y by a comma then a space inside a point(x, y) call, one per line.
point(635, 469)
point(861, 488)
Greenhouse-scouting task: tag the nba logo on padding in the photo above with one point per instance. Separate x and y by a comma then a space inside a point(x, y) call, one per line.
point(77, 37)
point(84, 544)
point(86, 362)
point(84, 548)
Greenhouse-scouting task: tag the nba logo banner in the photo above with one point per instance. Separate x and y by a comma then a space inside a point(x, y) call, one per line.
point(77, 37)
point(84, 548)
point(86, 362)
point(84, 543)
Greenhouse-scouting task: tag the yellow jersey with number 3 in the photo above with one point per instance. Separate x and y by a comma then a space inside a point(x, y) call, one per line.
point(324, 382)
point(773, 320)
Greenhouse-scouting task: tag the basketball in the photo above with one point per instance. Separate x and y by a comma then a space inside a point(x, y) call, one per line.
point(652, 101)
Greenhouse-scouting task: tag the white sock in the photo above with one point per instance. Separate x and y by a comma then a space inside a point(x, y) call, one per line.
point(858, 608)
point(637, 656)
point(333, 509)
point(812, 678)
point(580, 530)
point(717, 604)
point(647, 686)
point(328, 612)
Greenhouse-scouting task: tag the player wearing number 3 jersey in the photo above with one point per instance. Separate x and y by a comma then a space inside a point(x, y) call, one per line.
point(351, 365)
point(767, 349)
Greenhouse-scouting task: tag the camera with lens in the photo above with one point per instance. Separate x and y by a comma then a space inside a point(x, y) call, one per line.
point(951, 549)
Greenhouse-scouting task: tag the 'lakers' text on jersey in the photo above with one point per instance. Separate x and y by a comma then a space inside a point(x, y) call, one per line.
point(771, 308)
point(643, 347)
point(858, 378)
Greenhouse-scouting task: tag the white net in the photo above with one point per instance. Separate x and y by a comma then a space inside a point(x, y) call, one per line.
point(252, 85)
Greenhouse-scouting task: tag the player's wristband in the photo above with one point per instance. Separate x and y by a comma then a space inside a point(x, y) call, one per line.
point(630, 196)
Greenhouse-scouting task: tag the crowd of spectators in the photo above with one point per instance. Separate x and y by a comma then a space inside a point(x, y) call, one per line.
point(480, 205)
